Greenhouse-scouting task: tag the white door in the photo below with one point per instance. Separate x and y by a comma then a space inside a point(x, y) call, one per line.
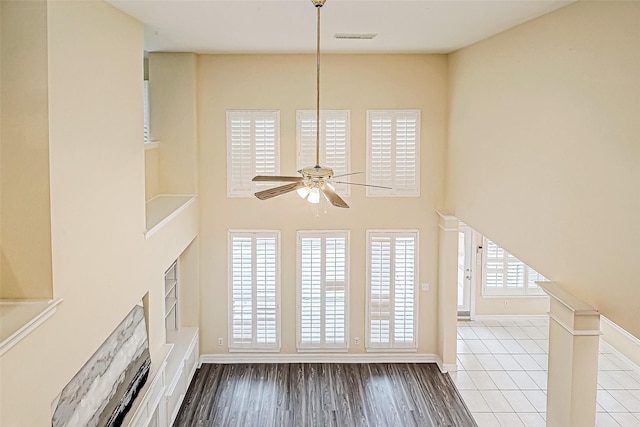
point(465, 246)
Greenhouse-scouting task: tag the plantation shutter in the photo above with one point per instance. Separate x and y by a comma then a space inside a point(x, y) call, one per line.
point(392, 289)
point(334, 142)
point(393, 152)
point(254, 290)
point(504, 274)
point(322, 290)
point(253, 139)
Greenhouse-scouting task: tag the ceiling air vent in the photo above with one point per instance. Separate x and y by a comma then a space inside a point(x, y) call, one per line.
point(355, 36)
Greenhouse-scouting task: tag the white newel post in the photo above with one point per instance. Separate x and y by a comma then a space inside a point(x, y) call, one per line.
point(574, 335)
point(447, 291)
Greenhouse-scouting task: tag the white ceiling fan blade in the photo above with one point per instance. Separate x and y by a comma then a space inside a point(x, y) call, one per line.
point(273, 192)
point(332, 196)
point(347, 174)
point(277, 178)
point(362, 185)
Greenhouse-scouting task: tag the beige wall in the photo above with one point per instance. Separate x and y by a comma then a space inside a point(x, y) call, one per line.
point(543, 150)
point(97, 202)
point(172, 99)
point(25, 225)
point(151, 188)
point(287, 83)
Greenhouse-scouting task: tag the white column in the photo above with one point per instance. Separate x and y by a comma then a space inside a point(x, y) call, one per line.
point(574, 334)
point(447, 291)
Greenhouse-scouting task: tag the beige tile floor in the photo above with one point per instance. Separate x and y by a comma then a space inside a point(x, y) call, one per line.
point(502, 376)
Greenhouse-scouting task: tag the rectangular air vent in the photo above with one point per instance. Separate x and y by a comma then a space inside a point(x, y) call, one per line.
point(355, 36)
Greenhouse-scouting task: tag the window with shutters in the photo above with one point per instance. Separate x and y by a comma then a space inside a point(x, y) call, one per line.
point(253, 144)
point(505, 275)
point(334, 142)
point(254, 289)
point(393, 152)
point(392, 275)
point(323, 289)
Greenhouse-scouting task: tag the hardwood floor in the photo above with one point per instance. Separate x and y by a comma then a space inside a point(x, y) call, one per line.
point(322, 394)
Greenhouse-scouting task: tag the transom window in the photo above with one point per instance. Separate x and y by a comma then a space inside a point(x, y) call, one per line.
point(505, 275)
point(253, 144)
point(254, 289)
point(323, 289)
point(393, 152)
point(391, 289)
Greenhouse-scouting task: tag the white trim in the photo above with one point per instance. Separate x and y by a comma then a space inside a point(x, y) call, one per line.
point(153, 230)
point(318, 358)
point(499, 317)
point(617, 352)
point(575, 332)
point(151, 145)
point(231, 233)
point(325, 116)
point(633, 340)
point(393, 234)
point(392, 114)
point(575, 305)
point(24, 330)
point(446, 367)
point(241, 188)
point(323, 234)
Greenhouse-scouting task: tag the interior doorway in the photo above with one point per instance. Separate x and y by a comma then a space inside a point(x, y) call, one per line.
point(465, 272)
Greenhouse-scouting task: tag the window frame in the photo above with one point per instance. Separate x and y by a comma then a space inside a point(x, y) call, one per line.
point(254, 346)
point(325, 115)
point(323, 234)
point(391, 346)
point(504, 291)
point(237, 189)
point(394, 116)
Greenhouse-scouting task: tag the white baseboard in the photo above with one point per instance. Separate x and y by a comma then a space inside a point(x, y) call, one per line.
point(620, 340)
point(511, 317)
point(445, 367)
point(229, 358)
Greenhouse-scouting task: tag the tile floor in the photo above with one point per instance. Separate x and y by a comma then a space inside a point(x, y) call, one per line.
point(502, 376)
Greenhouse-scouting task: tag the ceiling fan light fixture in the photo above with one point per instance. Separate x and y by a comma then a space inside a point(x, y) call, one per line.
point(303, 192)
point(314, 196)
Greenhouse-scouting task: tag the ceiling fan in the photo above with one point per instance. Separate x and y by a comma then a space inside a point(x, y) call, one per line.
point(314, 180)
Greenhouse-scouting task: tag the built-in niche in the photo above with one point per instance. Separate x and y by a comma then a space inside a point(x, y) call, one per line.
point(171, 149)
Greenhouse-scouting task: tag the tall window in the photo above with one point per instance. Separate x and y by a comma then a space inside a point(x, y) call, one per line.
point(323, 288)
point(253, 141)
point(391, 289)
point(505, 275)
point(254, 289)
point(393, 152)
point(334, 141)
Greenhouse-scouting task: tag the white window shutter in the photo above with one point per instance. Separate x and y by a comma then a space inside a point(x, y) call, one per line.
point(380, 291)
point(391, 289)
point(503, 274)
point(334, 142)
point(322, 290)
point(254, 290)
point(253, 144)
point(393, 152)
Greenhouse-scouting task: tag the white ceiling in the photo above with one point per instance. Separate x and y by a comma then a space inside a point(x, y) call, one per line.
point(289, 26)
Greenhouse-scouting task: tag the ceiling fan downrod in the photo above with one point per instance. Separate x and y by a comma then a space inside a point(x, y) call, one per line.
point(318, 4)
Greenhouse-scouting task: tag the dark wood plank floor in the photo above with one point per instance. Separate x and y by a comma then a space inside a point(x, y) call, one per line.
point(322, 394)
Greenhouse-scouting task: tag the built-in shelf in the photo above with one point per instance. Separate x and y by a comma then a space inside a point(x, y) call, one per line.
point(171, 298)
point(150, 397)
point(18, 318)
point(162, 208)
